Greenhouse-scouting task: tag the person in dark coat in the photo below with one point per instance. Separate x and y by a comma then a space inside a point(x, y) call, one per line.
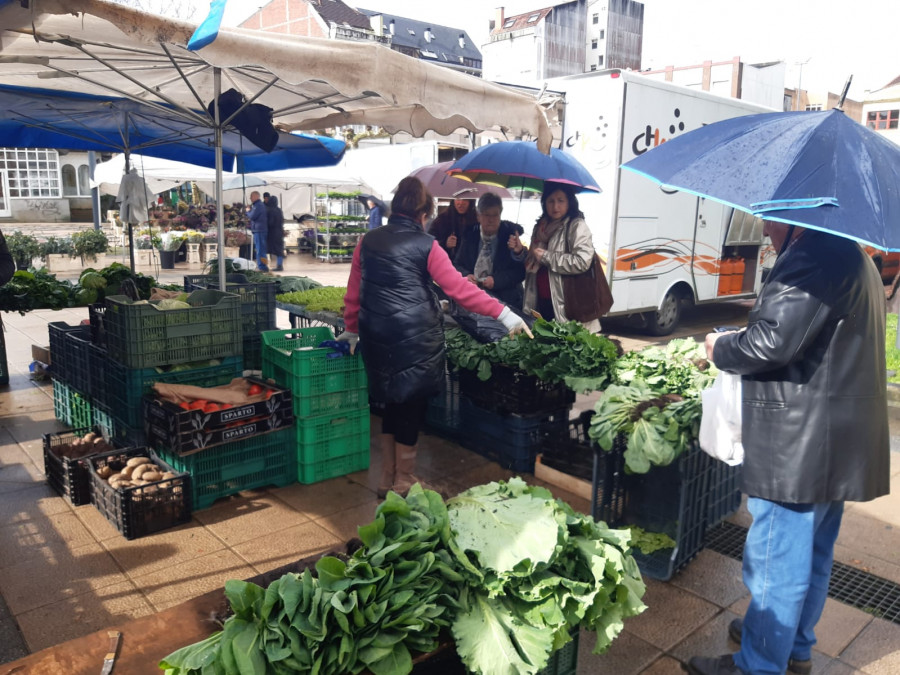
point(815, 434)
point(484, 257)
point(275, 238)
point(7, 264)
point(450, 226)
point(392, 311)
point(256, 212)
point(375, 214)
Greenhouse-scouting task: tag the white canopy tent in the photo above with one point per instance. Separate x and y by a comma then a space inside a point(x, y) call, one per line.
point(98, 47)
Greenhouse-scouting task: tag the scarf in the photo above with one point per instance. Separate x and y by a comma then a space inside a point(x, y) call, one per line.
point(543, 233)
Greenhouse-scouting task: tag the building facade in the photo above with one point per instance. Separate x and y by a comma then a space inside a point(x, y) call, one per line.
point(44, 185)
point(881, 111)
point(565, 39)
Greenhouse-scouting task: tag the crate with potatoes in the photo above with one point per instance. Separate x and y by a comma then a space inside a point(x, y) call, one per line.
point(65, 467)
point(138, 492)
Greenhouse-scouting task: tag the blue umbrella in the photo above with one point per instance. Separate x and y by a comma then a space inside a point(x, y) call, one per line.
point(519, 165)
point(814, 169)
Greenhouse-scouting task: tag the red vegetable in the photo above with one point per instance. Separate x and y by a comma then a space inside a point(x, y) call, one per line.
point(255, 390)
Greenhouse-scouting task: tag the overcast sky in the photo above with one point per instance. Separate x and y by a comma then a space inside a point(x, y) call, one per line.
point(836, 38)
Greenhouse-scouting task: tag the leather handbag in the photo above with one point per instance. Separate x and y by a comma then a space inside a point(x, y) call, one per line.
point(586, 296)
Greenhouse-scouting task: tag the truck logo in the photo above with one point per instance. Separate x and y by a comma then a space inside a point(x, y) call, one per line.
point(661, 256)
point(650, 137)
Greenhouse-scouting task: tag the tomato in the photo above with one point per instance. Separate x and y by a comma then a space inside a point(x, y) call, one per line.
point(225, 406)
point(211, 408)
point(184, 405)
point(199, 404)
point(255, 390)
point(269, 393)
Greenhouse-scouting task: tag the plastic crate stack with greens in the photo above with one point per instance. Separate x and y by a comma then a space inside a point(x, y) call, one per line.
point(331, 400)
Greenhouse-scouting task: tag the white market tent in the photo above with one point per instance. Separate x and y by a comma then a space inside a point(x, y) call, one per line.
point(98, 47)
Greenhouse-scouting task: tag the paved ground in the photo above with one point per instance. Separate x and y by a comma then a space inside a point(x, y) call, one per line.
point(66, 572)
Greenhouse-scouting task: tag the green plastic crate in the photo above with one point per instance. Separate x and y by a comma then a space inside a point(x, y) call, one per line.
point(143, 336)
point(338, 401)
point(292, 359)
point(81, 411)
point(270, 459)
point(61, 408)
point(332, 468)
point(564, 661)
point(330, 437)
point(125, 387)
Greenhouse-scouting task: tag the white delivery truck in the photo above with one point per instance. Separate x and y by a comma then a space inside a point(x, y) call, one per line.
point(662, 249)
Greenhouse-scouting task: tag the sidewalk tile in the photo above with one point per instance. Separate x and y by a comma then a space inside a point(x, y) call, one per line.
point(628, 654)
point(164, 549)
point(288, 546)
point(241, 519)
point(663, 626)
point(875, 651)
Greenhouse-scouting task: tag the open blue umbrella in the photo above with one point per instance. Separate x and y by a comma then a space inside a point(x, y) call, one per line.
point(814, 169)
point(519, 165)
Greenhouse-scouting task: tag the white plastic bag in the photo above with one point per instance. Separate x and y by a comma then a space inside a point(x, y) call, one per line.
point(720, 425)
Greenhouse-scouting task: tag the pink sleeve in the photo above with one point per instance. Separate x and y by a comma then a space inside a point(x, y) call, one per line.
point(351, 299)
point(458, 287)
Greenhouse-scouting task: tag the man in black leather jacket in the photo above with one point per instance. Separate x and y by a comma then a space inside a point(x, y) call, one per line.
point(815, 433)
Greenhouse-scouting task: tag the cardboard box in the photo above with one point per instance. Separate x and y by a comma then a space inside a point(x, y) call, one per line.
point(41, 354)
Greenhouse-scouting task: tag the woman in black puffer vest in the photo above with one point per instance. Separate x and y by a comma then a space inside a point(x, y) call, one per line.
point(392, 309)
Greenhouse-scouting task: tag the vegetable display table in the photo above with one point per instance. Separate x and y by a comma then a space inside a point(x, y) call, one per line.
point(301, 318)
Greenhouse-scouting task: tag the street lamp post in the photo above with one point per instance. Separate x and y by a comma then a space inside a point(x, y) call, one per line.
point(800, 78)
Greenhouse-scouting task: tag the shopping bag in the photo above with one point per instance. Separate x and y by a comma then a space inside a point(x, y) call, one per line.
point(720, 424)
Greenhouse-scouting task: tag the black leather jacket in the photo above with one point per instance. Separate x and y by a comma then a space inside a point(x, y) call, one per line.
point(812, 358)
point(508, 274)
point(401, 329)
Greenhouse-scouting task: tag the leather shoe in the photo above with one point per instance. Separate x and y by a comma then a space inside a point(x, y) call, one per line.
point(715, 665)
point(736, 629)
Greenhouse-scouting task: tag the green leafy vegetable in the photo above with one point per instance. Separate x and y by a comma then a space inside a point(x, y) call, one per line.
point(649, 542)
point(323, 298)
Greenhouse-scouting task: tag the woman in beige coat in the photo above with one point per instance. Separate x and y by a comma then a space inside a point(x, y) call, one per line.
point(560, 244)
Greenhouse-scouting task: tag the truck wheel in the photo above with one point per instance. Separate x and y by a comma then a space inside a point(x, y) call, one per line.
point(666, 318)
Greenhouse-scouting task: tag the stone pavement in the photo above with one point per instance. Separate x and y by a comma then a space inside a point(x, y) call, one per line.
point(66, 572)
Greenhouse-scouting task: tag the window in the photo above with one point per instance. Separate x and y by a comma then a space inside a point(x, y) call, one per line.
point(508, 23)
point(533, 17)
point(815, 107)
point(602, 34)
point(600, 60)
point(595, 18)
point(411, 31)
point(593, 67)
point(32, 172)
point(883, 119)
point(69, 181)
point(84, 180)
point(593, 44)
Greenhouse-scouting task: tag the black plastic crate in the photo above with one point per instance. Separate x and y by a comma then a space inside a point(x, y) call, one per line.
point(57, 331)
point(99, 361)
point(670, 500)
point(442, 414)
point(512, 391)
point(4, 366)
point(572, 451)
point(77, 356)
point(68, 476)
point(98, 332)
point(724, 492)
point(512, 441)
point(140, 510)
point(252, 351)
point(257, 298)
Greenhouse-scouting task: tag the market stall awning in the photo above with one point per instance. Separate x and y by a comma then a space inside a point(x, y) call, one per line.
point(47, 118)
point(98, 47)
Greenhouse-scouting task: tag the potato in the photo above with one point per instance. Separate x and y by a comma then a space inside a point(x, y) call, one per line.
point(152, 476)
point(89, 437)
point(168, 475)
point(104, 472)
point(141, 470)
point(137, 461)
point(115, 477)
point(128, 471)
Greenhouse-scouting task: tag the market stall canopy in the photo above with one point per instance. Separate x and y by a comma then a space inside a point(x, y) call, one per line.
point(33, 117)
point(101, 48)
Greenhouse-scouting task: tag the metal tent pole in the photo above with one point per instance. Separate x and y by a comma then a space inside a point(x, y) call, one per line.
point(220, 208)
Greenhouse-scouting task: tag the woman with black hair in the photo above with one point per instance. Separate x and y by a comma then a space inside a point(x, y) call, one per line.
point(561, 244)
point(451, 226)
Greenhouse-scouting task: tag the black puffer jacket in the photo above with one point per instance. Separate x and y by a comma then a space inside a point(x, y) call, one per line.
point(815, 425)
point(401, 330)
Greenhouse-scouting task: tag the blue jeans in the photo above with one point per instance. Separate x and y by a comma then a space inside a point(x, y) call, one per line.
point(787, 565)
point(259, 244)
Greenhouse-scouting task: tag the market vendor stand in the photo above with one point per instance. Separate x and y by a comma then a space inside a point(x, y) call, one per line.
point(300, 317)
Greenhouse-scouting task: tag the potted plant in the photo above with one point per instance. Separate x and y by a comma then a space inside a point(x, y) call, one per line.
point(88, 243)
point(169, 243)
point(58, 254)
point(23, 248)
point(235, 238)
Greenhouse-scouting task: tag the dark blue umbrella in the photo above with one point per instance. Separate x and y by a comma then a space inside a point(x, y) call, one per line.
point(519, 165)
point(814, 169)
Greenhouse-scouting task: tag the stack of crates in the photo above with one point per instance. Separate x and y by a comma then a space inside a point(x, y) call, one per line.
point(137, 345)
point(504, 418)
point(257, 309)
point(72, 372)
point(331, 405)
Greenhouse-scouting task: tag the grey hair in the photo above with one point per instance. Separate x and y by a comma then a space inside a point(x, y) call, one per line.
point(488, 201)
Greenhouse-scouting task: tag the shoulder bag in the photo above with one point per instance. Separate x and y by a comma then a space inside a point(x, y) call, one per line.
point(586, 296)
